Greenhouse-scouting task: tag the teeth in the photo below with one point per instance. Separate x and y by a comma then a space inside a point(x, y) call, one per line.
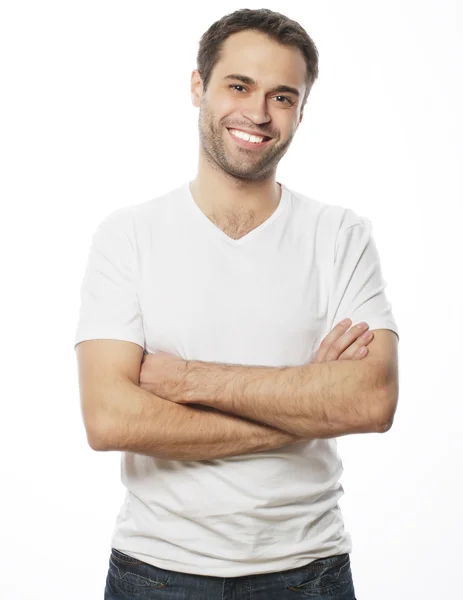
point(246, 136)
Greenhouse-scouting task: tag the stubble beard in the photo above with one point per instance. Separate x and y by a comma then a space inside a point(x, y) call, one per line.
point(249, 167)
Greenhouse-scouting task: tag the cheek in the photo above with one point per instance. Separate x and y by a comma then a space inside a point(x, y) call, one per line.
point(230, 106)
point(288, 127)
point(230, 111)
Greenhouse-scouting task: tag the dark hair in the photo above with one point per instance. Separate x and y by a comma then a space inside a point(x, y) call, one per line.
point(275, 25)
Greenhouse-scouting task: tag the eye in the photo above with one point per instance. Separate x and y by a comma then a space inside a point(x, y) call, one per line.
point(236, 85)
point(288, 100)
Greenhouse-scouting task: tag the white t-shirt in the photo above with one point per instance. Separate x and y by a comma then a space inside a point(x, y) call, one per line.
point(162, 275)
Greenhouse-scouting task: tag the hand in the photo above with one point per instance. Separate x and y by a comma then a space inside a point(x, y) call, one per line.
point(344, 344)
point(162, 374)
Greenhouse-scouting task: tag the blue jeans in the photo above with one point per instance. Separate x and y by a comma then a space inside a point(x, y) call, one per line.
point(323, 579)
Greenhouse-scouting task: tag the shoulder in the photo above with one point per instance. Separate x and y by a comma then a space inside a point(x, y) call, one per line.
point(332, 218)
point(137, 219)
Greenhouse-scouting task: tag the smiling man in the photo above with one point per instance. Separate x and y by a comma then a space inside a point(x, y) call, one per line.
point(212, 354)
point(251, 104)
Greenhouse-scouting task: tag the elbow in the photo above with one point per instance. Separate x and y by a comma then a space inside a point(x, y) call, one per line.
point(96, 441)
point(97, 435)
point(97, 444)
point(385, 426)
point(386, 409)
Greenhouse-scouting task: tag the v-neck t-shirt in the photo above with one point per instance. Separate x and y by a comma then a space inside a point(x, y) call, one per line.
point(160, 274)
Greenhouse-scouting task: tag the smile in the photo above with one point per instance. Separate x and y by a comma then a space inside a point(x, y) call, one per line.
point(248, 141)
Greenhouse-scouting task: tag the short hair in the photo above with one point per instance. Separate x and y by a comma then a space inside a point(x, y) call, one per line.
point(276, 26)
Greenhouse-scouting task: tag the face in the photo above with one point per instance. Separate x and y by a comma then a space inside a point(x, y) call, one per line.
point(248, 89)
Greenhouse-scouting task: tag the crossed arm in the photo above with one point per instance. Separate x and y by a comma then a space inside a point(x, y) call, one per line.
point(315, 400)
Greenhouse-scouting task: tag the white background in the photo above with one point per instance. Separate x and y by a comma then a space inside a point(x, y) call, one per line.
point(96, 115)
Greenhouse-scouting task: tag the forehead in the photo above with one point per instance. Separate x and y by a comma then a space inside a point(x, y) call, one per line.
point(262, 58)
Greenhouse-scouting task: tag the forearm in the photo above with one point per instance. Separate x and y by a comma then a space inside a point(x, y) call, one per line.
point(317, 400)
point(138, 421)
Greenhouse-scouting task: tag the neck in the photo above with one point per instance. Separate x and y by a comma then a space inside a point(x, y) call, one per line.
point(214, 191)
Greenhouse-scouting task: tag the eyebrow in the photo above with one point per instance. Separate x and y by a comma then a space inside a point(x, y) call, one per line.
point(250, 81)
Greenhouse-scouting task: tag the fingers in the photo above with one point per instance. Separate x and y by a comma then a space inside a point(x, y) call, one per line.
point(353, 352)
point(333, 335)
point(344, 341)
point(359, 354)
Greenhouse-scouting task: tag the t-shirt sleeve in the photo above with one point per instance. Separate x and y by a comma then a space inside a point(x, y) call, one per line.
point(358, 289)
point(109, 307)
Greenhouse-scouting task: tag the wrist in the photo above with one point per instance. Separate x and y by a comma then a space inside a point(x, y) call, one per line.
point(175, 382)
point(190, 382)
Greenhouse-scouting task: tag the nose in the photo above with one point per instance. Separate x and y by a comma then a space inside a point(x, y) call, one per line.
point(254, 109)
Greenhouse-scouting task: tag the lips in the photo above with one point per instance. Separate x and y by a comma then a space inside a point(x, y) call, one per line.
point(266, 137)
point(246, 144)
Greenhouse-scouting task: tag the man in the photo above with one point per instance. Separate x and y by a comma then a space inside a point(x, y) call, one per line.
point(234, 286)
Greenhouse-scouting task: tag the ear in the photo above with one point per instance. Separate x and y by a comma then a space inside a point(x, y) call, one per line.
point(196, 88)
